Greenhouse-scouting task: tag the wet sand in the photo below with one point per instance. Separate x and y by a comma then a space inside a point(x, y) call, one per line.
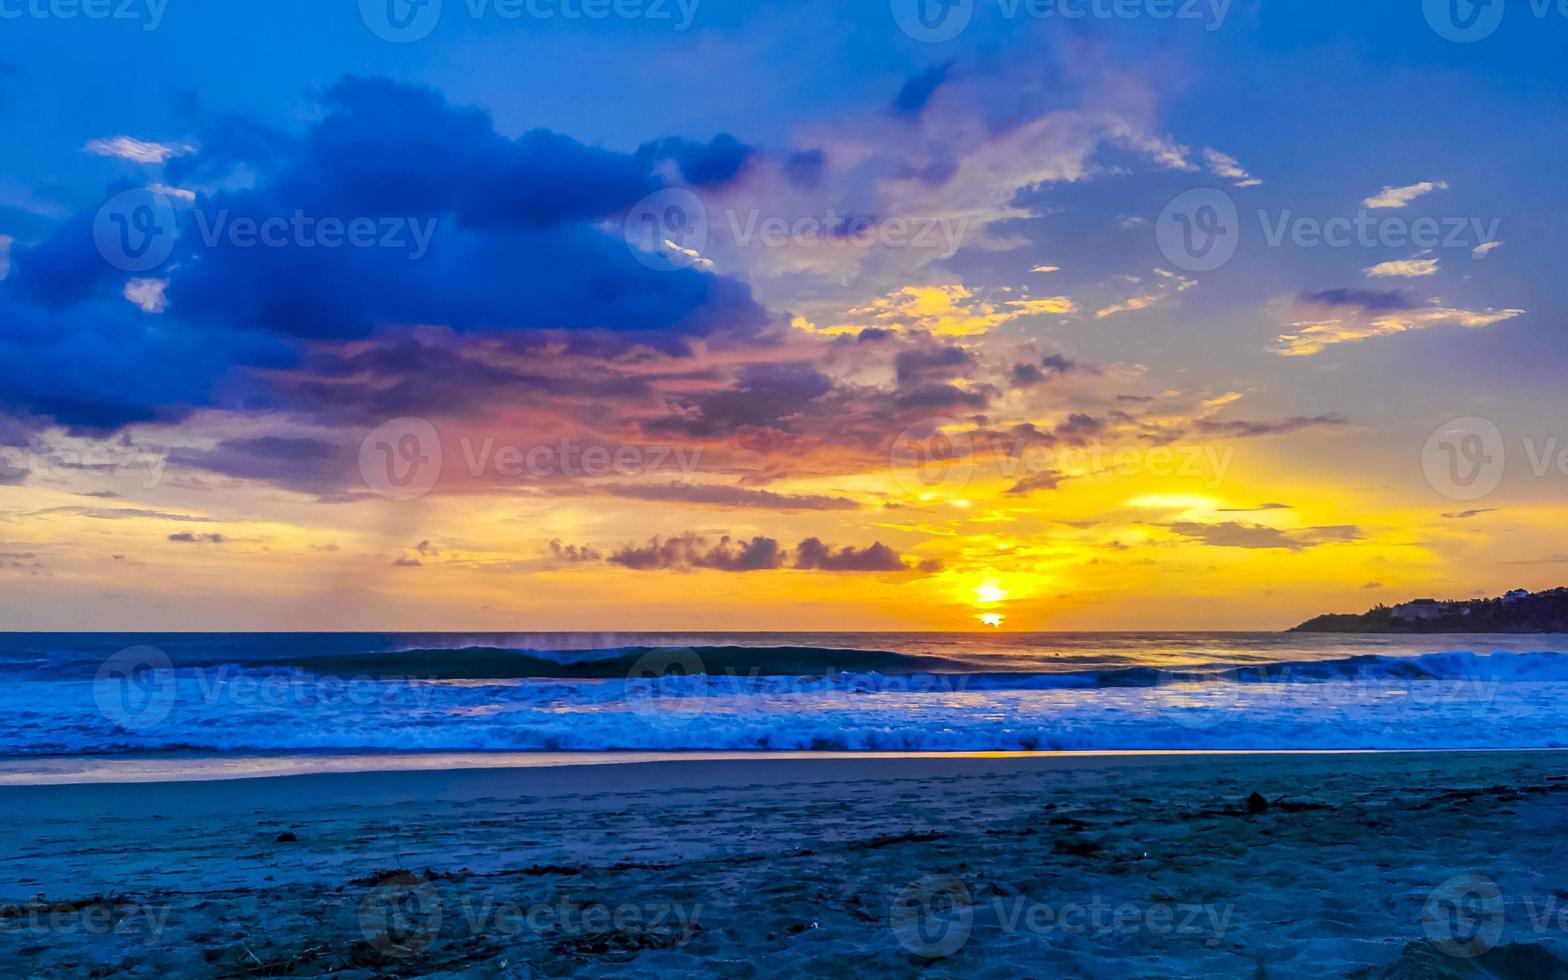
point(1367, 865)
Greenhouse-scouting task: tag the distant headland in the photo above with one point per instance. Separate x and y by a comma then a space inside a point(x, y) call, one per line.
point(1520, 611)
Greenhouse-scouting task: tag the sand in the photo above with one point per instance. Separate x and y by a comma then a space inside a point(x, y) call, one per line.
point(1365, 865)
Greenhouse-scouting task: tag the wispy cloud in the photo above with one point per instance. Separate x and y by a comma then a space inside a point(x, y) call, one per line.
point(1403, 269)
point(1321, 320)
point(1398, 197)
point(134, 150)
point(1225, 165)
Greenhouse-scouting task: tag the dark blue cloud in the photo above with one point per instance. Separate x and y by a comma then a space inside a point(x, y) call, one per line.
point(804, 168)
point(101, 365)
point(714, 162)
point(1366, 299)
point(460, 226)
point(917, 91)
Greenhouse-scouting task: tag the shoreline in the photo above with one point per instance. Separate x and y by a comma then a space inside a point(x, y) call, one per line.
point(174, 768)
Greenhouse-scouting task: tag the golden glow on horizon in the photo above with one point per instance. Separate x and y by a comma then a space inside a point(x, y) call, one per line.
point(1281, 537)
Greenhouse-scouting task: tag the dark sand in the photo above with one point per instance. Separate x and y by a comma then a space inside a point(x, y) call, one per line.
point(1364, 865)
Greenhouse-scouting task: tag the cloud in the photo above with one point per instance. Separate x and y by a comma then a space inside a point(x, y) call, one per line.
point(304, 464)
point(1403, 269)
point(718, 161)
point(877, 557)
point(513, 236)
point(766, 397)
point(147, 294)
point(725, 496)
point(1243, 429)
point(1465, 515)
point(134, 150)
point(1398, 197)
point(1051, 366)
point(1037, 481)
point(1484, 249)
point(574, 553)
point(1318, 321)
point(120, 514)
point(1368, 299)
point(1129, 305)
point(947, 310)
point(917, 91)
point(1234, 534)
point(186, 537)
point(691, 551)
point(1167, 284)
point(1224, 165)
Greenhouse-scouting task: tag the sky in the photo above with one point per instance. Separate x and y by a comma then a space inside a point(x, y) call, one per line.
point(690, 314)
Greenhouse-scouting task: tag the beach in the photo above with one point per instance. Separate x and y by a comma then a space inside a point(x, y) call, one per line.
point(1246, 865)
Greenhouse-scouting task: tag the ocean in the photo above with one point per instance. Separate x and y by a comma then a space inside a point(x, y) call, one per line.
point(121, 694)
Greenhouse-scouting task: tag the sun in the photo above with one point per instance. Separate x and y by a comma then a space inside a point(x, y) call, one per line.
point(989, 592)
point(993, 620)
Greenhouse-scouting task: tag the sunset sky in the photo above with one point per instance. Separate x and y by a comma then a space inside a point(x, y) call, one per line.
point(776, 316)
